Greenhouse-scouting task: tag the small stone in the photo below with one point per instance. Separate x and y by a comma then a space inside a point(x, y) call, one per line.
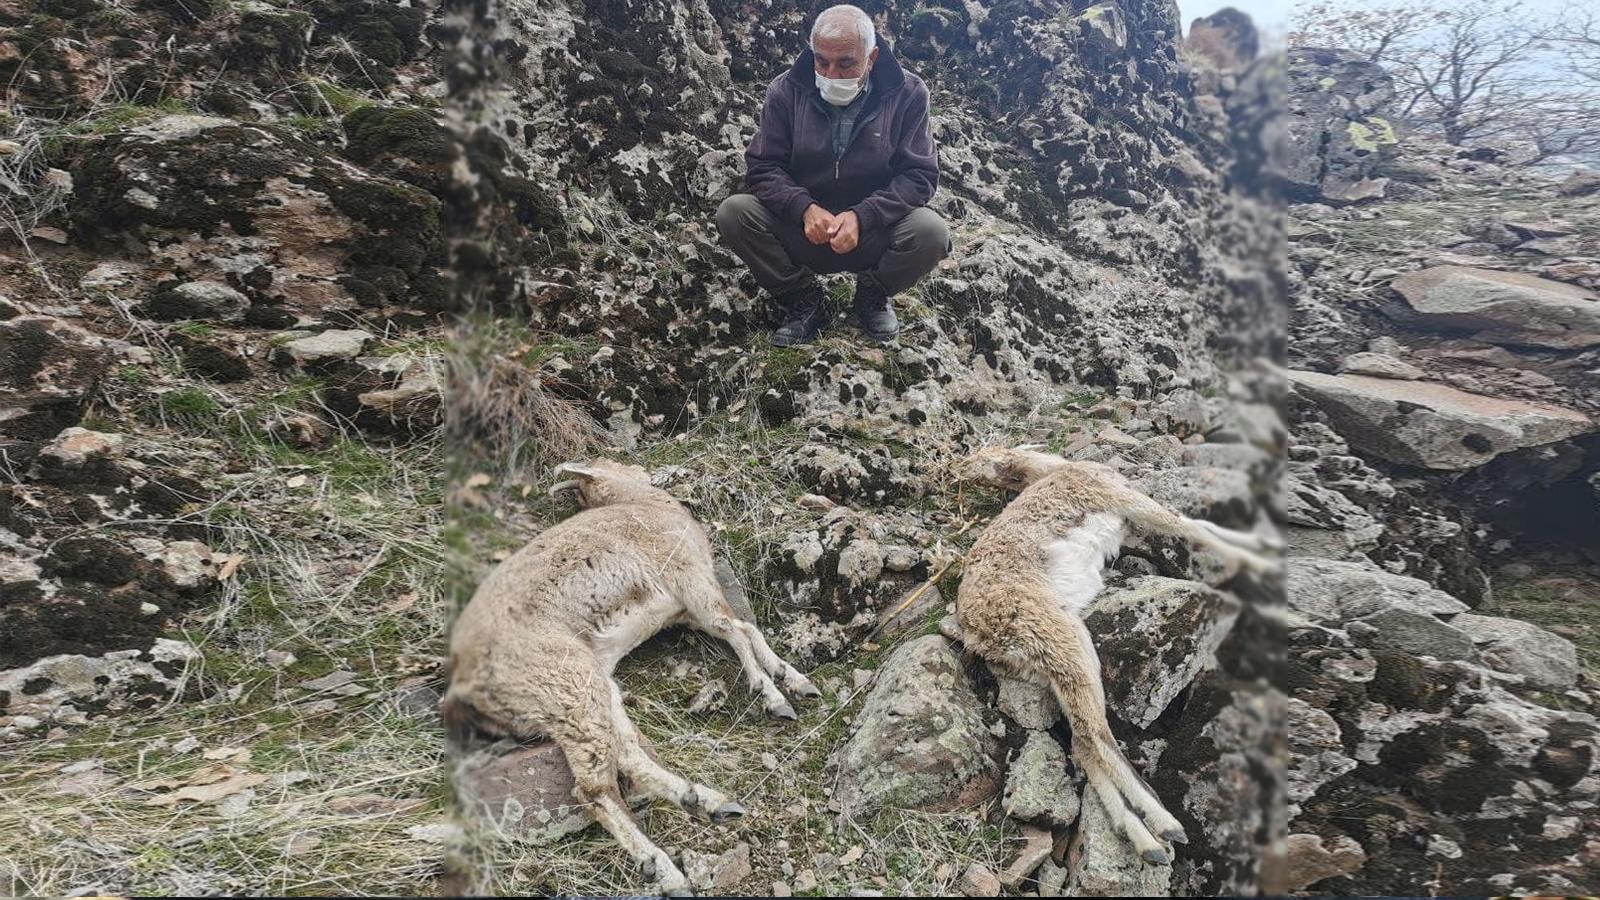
point(1052, 879)
point(805, 880)
point(1027, 704)
point(328, 346)
point(330, 681)
point(1310, 860)
point(861, 678)
point(815, 502)
point(1034, 852)
point(978, 881)
point(782, 889)
point(717, 874)
point(280, 659)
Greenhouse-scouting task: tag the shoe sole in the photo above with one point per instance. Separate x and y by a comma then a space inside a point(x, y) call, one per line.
point(790, 342)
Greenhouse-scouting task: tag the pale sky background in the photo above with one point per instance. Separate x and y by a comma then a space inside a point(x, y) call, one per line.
point(1272, 16)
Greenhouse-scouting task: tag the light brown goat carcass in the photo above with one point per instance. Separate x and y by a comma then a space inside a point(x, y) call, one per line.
point(532, 654)
point(1032, 572)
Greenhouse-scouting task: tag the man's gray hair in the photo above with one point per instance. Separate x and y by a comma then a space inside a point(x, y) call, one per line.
point(842, 21)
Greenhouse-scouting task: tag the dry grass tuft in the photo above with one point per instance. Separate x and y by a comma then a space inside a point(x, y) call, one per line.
point(500, 414)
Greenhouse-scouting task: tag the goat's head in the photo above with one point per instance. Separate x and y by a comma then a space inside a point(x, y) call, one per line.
point(1010, 468)
point(601, 482)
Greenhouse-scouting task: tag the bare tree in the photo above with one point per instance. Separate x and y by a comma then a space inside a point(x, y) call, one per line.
point(1372, 31)
point(1476, 71)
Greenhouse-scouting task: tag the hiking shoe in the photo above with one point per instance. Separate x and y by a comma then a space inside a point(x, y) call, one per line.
point(805, 312)
point(874, 312)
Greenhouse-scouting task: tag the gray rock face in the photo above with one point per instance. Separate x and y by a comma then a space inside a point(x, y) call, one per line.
point(1446, 751)
point(920, 741)
point(1504, 307)
point(1418, 423)
point(1580, 183)
point(1324, 522)
point(1039, 785)
point(1336, 591)
point(1027, 704)
point(1107, 865)
point(1546, 660)
point(1153, 637)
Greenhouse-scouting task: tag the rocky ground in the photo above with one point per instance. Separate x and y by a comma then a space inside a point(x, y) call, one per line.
point(1443, 352)
point(249, 466)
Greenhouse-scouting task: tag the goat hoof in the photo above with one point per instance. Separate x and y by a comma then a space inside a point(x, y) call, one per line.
point(1156, 857)
point(727, 811)
point(1175, 835)
point(808, 691)
point(784, 712)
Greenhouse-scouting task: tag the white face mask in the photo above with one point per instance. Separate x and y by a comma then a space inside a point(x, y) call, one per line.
point(840, 91)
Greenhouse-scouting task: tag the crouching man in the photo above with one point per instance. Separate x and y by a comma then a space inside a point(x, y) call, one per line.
point(840, 173)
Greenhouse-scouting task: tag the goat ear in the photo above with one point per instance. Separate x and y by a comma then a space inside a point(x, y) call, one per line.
point(582, 470)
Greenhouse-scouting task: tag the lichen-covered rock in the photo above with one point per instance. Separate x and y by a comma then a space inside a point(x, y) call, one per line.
point(1547, 660)
point(1222, 774)
point(1335, 133)
point(72, 689)
point(1106, 864)
point(921, 740)
point(1323, 522)
point(246, 211)
point(1335, 591)
point(1419, 423)
point(48, 369)
point(1030, 705)
point(1153, 636)
point(1445, 754)
point(1039, 783)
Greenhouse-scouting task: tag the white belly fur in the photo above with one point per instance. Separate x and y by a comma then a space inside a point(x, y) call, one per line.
point(633, 625)
point(1078, 561)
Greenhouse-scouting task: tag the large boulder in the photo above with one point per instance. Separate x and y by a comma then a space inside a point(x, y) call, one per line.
point(1336, 137)
point(1153, 636)
point(1335, 591)
point(1433, 426)
point(921, 740)
point(1546, 660)
point(1503, 307)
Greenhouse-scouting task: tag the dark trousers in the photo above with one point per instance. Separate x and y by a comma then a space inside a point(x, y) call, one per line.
point(782, 260)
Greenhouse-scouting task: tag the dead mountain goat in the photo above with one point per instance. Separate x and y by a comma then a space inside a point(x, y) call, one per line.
point(532, 654)
point(1027, 580)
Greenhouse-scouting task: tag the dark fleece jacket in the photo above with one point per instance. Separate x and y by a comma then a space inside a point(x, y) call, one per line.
point(889, 168)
